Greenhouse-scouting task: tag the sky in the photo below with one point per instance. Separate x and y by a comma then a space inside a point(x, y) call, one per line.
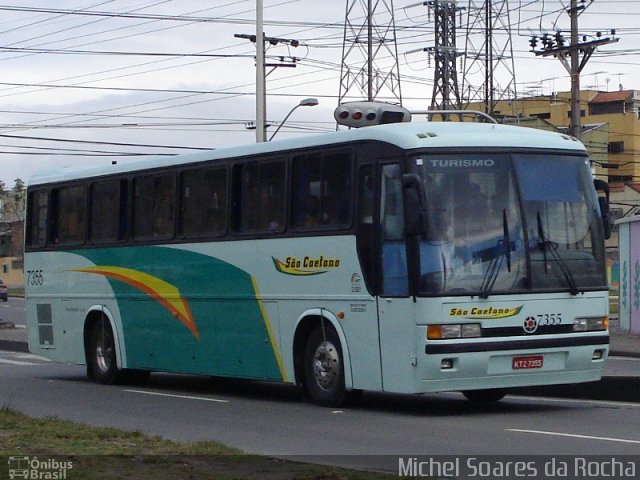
point(88, 82)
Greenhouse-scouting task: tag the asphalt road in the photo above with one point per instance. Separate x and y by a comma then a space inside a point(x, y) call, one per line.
point(13, 310)
point(271, 419)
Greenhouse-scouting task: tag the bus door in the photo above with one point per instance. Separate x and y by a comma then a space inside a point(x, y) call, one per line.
point(396, 308)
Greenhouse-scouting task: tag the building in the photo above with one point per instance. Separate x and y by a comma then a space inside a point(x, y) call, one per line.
point(610, 127)
point(12, 235)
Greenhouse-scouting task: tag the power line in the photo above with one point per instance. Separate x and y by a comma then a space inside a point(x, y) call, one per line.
point(164, 101)
point(42, 35)
point(119, 53)
point(94, 142)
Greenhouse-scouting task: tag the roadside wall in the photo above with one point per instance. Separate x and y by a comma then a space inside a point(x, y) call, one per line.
point(629, 299)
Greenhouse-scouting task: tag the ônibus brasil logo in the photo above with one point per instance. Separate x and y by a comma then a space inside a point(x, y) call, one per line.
point(38, 469)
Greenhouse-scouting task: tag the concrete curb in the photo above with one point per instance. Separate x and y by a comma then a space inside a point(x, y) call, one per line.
point(620, 353)
point(615, 389)
point(14, 346)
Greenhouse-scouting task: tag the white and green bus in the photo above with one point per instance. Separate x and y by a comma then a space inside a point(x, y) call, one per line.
point(410, 257)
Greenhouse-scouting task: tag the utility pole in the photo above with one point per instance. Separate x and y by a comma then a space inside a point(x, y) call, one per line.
point(261, 101)
point(261, 97)
point(570, 56)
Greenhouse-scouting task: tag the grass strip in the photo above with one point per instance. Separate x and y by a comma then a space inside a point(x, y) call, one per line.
point(99, 453)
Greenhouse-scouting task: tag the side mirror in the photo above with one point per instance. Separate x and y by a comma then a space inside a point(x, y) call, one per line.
point(602, 186)
point(414, 218)
point(606, 216)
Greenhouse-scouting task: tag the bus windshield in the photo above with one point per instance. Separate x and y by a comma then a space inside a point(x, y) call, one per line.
point(498, 223)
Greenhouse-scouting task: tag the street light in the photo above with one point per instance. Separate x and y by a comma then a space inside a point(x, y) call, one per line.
point(307, 102)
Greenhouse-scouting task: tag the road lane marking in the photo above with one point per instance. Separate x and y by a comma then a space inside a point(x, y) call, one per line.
point(187, 397)
point(17, 362)
point(606, 403)
point(30, 356)
point(624, 359)
point(586, 437)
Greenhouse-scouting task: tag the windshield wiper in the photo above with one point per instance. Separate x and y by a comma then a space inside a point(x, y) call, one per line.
point(506, 238)
point(492, 273)
point(552, 248)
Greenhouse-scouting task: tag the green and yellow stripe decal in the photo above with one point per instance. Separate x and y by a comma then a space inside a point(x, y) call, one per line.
point(267, 323)
point(164, 293)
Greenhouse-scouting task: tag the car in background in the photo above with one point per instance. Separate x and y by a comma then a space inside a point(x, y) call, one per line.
point(3, 291)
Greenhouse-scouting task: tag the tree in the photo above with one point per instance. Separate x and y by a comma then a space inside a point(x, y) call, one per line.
point(12, 201)
point(12, 218)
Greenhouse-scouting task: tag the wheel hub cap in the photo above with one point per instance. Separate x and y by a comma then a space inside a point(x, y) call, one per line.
point(326, 365)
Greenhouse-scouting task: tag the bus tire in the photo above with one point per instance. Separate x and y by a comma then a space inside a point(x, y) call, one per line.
point(324, 368)
point(103, 361)
point(489, 395)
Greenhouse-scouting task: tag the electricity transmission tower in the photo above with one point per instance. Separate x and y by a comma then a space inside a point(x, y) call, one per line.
point(488, 71)
point(446, 95)
point(370, 67)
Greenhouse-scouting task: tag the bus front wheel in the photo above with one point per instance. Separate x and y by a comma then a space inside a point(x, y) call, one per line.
point(489, 395)
point(324, 368)
point(103, 363)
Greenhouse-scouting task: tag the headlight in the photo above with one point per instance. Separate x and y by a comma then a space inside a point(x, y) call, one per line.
point(590, 324)
point(453, 330)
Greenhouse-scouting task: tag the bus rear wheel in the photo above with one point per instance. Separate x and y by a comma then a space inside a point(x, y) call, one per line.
point(324, 368)
point(489, 395)
point(103, 362)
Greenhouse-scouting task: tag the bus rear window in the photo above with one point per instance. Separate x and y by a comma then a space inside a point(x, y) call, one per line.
point(37, 218)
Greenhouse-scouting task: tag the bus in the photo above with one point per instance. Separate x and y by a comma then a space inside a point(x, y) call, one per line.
point(405, 257)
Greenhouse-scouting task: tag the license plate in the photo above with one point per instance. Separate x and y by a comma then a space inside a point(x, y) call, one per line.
point(521, 363)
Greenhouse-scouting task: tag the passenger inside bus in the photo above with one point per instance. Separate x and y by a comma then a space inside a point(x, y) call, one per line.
point(311, 211)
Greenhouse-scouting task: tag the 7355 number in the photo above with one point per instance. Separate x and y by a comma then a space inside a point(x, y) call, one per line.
point(35, 278)
point(549, 319)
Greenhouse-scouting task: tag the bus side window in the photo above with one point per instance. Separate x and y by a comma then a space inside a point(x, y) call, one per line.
point(164, 195)
point(365, 236)
point(262, 196)
point(337, 188)
point(394, 253)
point(272, 196)
point(321, 193)
point(203, 202)
point(306, 191)
point(107, 211)
point(68, 215)
point(153, 206)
